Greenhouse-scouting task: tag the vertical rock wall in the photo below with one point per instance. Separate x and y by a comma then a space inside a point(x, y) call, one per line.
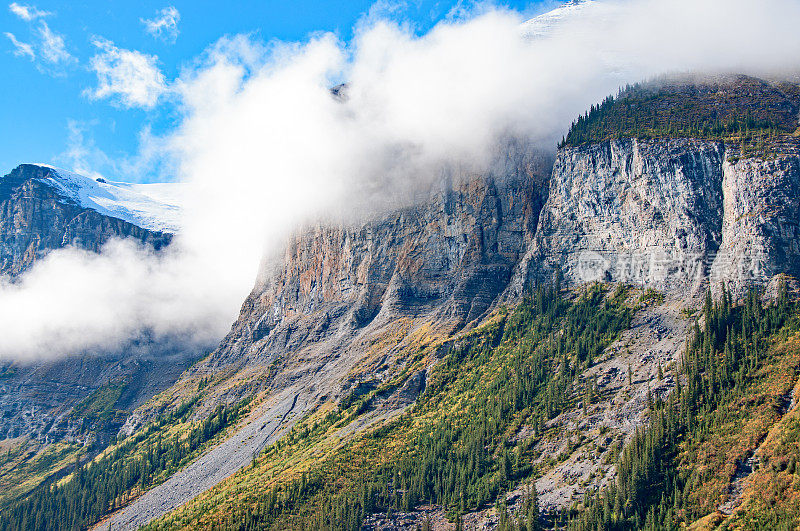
point(677, 215)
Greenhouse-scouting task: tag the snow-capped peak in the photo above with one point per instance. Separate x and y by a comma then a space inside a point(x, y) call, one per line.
point(154, 206)
point(546, 23)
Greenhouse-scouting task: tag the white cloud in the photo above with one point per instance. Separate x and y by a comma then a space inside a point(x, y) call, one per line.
point(21, 49)
point(85, 300)
point(51, 46)
point(129, 77)
point(262, 146)
point(47, 47)
point(164, 25)
point(26, 12)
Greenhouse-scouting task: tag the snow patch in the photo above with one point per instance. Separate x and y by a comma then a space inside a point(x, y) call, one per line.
point(155, 207)
point(548, 23)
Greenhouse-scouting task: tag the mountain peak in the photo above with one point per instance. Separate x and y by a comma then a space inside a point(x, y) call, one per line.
point(155, 206)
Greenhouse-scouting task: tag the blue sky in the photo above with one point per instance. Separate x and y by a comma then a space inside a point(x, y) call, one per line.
point(49, 96)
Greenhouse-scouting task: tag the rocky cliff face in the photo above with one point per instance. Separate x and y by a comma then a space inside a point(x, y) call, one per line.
point(447, 258)
point(674, 215)
point(761, 214)
point(36, 217)
point(677, 215)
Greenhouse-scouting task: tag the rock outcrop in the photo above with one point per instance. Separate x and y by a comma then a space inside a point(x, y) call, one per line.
point(761, 219)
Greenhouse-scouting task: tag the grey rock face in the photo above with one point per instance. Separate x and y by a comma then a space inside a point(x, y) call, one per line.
point(35, 219)
point(760, 233)
point(670, 214)
point(449, 256)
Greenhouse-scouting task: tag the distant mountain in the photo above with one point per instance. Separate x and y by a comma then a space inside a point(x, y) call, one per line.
point(44, 208)
point(81, 399)
point(154, 207)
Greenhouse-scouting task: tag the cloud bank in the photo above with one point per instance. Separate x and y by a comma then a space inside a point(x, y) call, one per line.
point(263, 145)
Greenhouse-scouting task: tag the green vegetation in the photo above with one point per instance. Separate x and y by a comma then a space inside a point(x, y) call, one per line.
point(22, 468)
point(460, 446)
point(34, 463)
point(454, 447)
point(118, 475)
point(738, 369)
point(99, 408)
point(774, 502)
point(746, 111)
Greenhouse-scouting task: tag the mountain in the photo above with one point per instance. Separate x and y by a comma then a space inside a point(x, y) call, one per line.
point(606, 338)
point(364, 316)
point(45, 208)
point(78, 400)
point(679, 185)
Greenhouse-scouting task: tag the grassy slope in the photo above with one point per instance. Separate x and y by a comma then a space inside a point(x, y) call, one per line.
point(315, 479)
point(21, 471)
point(120, 473)
point(772, 498)
point(28, 464)
point(709, 461)
point(736, 384)
point(506, 373)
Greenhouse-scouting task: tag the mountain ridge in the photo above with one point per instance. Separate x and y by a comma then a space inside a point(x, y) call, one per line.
point(154, 207)
point(43, 210)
